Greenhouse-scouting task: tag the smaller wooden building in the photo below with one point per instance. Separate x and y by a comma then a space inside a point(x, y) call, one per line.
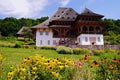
point(20, 32)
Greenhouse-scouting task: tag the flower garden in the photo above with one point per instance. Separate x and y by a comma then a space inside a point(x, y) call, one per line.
point(92, 65)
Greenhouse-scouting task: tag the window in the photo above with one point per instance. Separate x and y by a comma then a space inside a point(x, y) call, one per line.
point(98, 39)
point(91, 28)
point(79, 40)
point(86, 39)
point(40, 42)
point(48, 42)
point(62, 17)
point(68, 17)
point(84, 28)
point(46, 33)
point(54, 42)
point(41, 33)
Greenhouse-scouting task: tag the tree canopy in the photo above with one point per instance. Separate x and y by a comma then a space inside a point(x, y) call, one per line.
point(10, 26)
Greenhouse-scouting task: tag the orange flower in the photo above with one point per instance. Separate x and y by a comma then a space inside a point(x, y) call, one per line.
point(105, 58)
point(110, 67)
point(102, 60)
point(118, 61)
point(118, 53)
point(86, 57)
point(114, 60)
point(94, 63)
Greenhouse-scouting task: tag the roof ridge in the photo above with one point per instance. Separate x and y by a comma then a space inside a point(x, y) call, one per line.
point(64, 12)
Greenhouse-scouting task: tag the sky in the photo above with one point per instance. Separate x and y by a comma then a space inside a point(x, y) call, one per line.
point(40, 8)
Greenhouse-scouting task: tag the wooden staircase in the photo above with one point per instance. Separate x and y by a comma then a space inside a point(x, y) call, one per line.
point(68, 42)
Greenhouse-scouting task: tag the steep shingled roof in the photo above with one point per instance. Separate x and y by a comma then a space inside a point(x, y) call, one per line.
point(21, 30)
point(66, 14)
point(88, 12)
point(42, 25)
point(63, 14)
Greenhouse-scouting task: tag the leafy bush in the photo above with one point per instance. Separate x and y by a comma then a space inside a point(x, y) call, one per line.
point(85, 51)
point(48, 48)
point(98, 52)
point(77, 50)
point(17, 45)
point(64, 50)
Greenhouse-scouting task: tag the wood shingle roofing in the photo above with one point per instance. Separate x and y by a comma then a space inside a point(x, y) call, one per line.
point(88, 12)
point(42, 25)
point(62, 14)
point(65, 14)
point(21, 30)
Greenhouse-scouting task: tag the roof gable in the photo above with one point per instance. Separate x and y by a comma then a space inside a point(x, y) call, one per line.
point(21, 30)
point(65, 14)
point(88, 12)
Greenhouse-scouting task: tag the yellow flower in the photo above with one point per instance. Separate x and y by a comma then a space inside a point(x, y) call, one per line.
point(23, 69)
point(56, 74)
point(34, 68)
point(10, 74)
point(11, 67)
point(61, 67)
point(33, 72)
point(66, 66)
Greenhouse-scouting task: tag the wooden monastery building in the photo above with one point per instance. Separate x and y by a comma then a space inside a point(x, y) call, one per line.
point(67, 27)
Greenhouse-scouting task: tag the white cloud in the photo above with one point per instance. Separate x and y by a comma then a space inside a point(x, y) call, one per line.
point(22, 8)
point(27, 8)
point(64, 2)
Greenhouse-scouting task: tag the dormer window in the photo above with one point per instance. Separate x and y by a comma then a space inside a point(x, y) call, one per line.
point(62, 17)
point(62, 11)
point(68, 17)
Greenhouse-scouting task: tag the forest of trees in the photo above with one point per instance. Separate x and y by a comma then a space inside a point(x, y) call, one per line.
point(9, 27)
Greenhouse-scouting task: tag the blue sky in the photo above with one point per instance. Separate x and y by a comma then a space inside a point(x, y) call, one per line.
point(41, 8)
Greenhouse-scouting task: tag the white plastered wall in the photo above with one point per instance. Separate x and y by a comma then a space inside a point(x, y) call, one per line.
point(81, 39)
point(45, 38)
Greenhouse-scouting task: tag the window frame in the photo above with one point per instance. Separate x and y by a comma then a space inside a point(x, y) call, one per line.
point(41, 32)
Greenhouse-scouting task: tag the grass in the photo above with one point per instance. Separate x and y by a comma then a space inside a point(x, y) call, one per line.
point(13, 56)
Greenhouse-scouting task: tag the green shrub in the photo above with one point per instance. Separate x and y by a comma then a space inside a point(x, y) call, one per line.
point(98, 52)
point(85, 51)
point(17, 45)
point(77, 51)
point(35, 47)
point(48, 48)
point(64, 50)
